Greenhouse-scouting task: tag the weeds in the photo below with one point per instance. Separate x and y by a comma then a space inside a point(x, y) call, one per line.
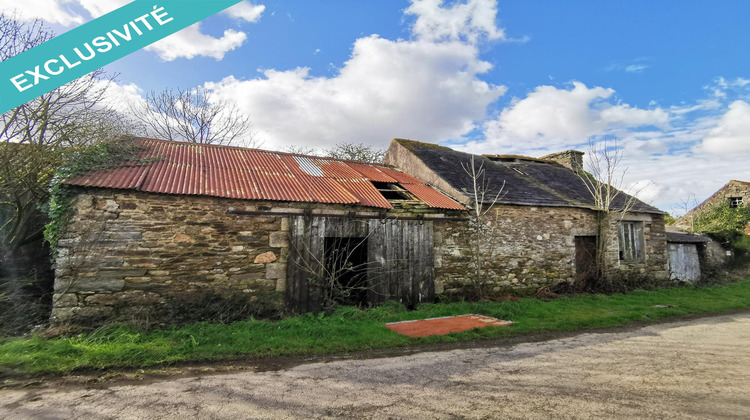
point(350, 329)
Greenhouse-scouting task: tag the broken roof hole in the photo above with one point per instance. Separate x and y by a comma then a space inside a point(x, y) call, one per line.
point(392, 191)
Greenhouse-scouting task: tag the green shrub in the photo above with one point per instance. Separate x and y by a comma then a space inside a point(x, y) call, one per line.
point(723, 220)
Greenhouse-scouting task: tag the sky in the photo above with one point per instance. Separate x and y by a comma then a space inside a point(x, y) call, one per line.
point(665, 82)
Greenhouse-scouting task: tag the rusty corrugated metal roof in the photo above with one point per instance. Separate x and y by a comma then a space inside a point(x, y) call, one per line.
point(252, 174)
point(431, 197)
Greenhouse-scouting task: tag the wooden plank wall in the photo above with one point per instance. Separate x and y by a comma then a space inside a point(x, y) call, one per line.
point(400, 258)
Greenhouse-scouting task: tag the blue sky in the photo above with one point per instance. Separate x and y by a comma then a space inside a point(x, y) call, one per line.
point(667, 79)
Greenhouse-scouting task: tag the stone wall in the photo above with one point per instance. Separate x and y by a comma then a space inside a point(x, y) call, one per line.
point(126, 250)
point(534, 246)
point(731, 189)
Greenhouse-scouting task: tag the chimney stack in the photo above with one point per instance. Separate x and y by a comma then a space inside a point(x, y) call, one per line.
point(571, 159)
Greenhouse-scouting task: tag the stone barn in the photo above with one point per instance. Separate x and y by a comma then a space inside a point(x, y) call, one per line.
point(190, 219)
point(545, 222)
point(734, 194)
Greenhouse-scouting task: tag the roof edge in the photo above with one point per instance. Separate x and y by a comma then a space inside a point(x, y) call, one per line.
point(225, 146)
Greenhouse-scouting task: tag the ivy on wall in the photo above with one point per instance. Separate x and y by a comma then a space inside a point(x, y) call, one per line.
point(101, 156)
point(727, 224)
point(723, 218)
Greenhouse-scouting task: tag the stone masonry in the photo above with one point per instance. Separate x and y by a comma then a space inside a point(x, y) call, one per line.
point(123, 250)
point(733, 188)
point(534, 246)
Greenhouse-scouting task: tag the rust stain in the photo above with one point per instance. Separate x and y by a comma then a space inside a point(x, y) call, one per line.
point(251, 174)
point(431, 197)
point(446, 325)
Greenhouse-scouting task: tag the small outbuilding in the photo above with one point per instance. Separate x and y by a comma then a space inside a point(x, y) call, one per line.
point(685, 256)
point(545, 225)
point(189, 219)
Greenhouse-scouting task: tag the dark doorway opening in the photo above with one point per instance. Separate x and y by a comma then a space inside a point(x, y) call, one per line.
point(346, 265)
point(586, 269)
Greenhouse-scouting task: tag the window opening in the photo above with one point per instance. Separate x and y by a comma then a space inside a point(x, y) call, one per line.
point(392, 191)
point(735, 202)
point(630, 238)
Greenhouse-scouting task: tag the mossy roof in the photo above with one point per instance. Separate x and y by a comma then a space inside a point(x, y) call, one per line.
point(528, 182)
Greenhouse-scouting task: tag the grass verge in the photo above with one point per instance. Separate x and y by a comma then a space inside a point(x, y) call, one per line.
point(350, 329)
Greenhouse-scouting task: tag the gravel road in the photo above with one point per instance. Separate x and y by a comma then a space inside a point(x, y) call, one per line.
point(690, 369)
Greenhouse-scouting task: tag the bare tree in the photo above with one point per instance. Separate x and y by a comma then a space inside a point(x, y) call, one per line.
point(195, 115)
point(483, 229)
point(17, 36)
point(302, 150)
point(344, 151)
point(604, 182)
point(359, 152)
point(687, 218)
point(35, 138)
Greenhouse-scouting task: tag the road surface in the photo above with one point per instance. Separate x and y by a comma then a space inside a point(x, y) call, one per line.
point(691, 369)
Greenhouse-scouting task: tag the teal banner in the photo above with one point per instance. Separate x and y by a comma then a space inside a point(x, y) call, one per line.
point(95, 44)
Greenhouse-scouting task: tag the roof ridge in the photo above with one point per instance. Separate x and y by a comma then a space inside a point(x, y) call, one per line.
point(183, 168)
point(254, 149)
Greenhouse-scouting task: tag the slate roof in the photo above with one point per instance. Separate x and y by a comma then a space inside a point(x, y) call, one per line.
point(528, 182)
point(169, 167)
point(685, 238)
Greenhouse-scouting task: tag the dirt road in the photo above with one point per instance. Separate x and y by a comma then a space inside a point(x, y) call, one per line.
point(692, 369)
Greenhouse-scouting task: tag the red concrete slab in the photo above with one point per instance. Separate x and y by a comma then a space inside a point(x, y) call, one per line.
point(445, 325)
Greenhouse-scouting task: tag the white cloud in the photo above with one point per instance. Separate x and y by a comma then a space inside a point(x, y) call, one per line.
point(191, 42)
point(639, 65)
point(187, 43)
point(645, 189)
point(694, 158)
point(425, 88)
point(665, 153)
point(550, 117)
point(387, 89)
point(731, 136)
point(56, 12)
point(462, 21)
point(636, 68)
point(721, 86)
point(246, 11)
point(702, 105)
point(626, 116)
point(100, 7)
point(120, 97)
point(680, 175)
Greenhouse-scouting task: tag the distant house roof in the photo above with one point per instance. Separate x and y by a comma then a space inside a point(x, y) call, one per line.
point(686, 219)
point(232, 172)
point(527, 181)
point(685, 238)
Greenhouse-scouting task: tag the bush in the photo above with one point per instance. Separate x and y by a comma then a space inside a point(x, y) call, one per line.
point(21, 311)
point(723, 220)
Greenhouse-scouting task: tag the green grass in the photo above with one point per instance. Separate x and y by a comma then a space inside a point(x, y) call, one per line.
point(350, 329)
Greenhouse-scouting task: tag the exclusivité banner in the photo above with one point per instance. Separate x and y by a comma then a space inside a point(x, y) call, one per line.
point(95, 44)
